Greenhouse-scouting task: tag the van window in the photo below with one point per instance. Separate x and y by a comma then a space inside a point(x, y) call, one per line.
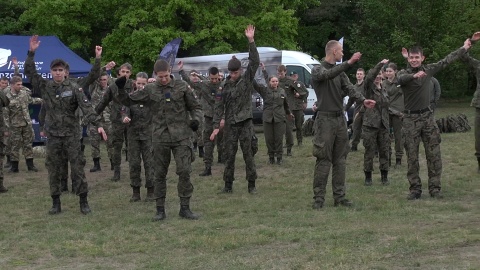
point(303, 74)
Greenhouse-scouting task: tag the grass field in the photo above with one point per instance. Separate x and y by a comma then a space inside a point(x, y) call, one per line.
point(274, 229)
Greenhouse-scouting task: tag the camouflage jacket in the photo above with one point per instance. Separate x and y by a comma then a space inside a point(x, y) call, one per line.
point(140, 126)
point(378, 116)
point(17, 113)
point(206, 92)
point(474, 64)
point(61, 100)
point(275, 105)
point(92, 76)
point(291, 88)
point(4, 102)
point(171, 106)
point(234, 102)
point(110, 95)
point(97, 94)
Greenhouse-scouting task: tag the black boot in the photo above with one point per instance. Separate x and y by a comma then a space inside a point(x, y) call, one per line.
point(111, 165)
point(228, 187)
point(289, 151)
point(368, 178)
point(64, 185)
point(251, 187)
point(271, 160)
point(14, 167)
point(30, 165)
point(201, 153)
point(207, 171)
point(150, 194)
point(279, 161)
point(56, 205)
point(7, 164)
point(116, 174)
point(398, 163)
point(96, 165)
point(136, 195)
point(185, 209)
point(384, 177)
point(84, 208)
point(3, 189)
point(160, 214)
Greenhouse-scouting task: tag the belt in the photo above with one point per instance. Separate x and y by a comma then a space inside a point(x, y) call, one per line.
point(428, 109)
point(331, 114)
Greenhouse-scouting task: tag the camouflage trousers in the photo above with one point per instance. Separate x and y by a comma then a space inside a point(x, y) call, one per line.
point(477, 133)
point(162, 154)
point(209, 145)
point(373, 139)
point(233, 133)
point(116, 139)
point(2, 153)
point(198, 135)
point(274, 137)
point(330, 147)
point(297, 122)
point(396, 124)
point(96, 139)
point(57, 147)
point(417, 128)
point(21, 138)
point(357, 127)
point(7, 149)
point(138, 151)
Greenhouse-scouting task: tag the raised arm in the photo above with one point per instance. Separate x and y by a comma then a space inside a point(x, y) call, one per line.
point(253, 56)
point(30, 69)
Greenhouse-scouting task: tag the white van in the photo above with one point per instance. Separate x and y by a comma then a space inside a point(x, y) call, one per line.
point(299, 62)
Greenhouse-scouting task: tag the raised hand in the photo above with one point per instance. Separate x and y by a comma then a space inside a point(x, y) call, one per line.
point(262, 65)
point(110, 65)
point(384, 61)
point(180, 65)
point(467, 44)
point(34, 43)
point(98, 51)
point(405, 53)
point(475, 36)
point(355, 57)
point(15, 61)
point(250, 32)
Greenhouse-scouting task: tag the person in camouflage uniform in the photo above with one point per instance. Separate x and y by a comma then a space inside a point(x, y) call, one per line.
point(419, 122)
point(233, 113)
point(330, 142)
point(3, 103)
point(61, 98)
point(3, 87)
point(97, 91)
point(298, 101)
point(194, 81)
point(475, 65)
point(376, 128)
point(138, 117)
point(19, 123)
point(275, 112)
point(207, 91)
point(359, 110)
point(175, 113)
point(396, 109)
point(117, 127)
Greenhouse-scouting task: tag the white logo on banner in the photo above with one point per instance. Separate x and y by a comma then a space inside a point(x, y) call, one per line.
point(4, 54)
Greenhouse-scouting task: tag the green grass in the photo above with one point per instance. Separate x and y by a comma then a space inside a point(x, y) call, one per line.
point(275, 229)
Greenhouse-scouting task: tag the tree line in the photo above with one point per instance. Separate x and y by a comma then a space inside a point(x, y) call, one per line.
point(135, 31)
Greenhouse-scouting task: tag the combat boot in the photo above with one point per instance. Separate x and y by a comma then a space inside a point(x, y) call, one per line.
point(279, 161)
point(271, 160)
point(56, 205)
point(289, 151)
point(228, 187)
point(384, 177)
point(14, 167)
point(368, 178)
point(317, 205)
point(64, 185)
point(84, 208)
point(30, 165)
point(3, 189)
point(150, 194)
point(8, 163)
point(160, 214)
point(96, 165)
point(185, 209)
point(207, 171)
point(116, 174)
point(414, 196)
point(343, 202)
point(398, 163)
point(136, 195)
point(251, 187)
point(201, 153)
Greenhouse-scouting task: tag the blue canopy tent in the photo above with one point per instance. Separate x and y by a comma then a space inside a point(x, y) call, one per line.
point(50, 48)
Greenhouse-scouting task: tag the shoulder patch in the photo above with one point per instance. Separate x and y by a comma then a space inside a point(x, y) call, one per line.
point(298, 85)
